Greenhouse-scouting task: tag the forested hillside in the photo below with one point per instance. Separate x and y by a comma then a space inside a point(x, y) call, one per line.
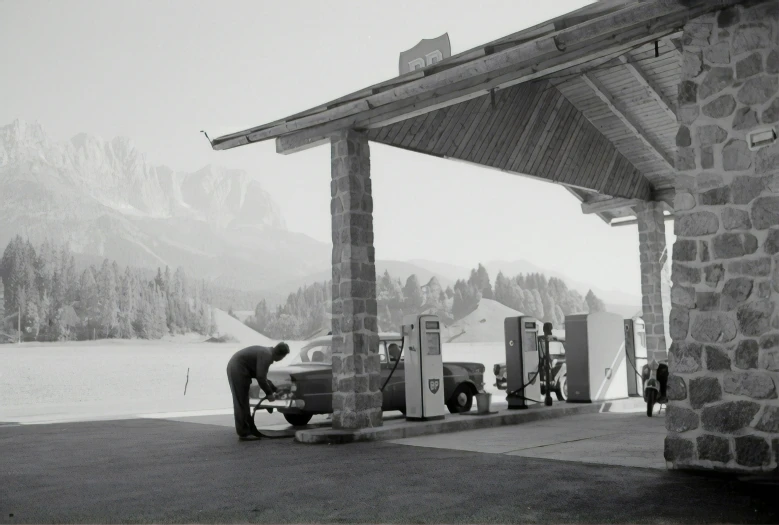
point(307, 310)
point(51, 300)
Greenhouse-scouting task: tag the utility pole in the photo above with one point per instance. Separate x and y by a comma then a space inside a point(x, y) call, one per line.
point(19, 325)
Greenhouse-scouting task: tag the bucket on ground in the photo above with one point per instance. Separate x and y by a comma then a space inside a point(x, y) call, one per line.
point(483, 400)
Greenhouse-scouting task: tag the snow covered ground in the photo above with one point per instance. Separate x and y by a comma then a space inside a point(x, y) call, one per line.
point(111, 378)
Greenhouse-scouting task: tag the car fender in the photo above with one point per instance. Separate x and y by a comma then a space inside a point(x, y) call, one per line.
point(454, 375)
point(315, 388)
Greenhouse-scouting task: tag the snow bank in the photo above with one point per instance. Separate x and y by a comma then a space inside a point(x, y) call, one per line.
point(483, 325)
point(242, 333)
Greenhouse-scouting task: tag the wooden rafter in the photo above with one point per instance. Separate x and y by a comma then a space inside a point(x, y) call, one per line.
point(665, 195)
point(621, 112)
point(635, 221)
point(654, 91)
point(571, 64)
point(604, 205)
point(581, 196)
point(675, 45)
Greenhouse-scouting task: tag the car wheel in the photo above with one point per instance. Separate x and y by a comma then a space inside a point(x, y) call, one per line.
point(562, 390)
point(298, 420)
point(461, 400)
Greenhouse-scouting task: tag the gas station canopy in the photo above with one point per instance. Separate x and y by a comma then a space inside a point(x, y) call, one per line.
point(587, 100)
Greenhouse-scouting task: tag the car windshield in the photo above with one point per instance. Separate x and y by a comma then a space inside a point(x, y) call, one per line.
point(556, 348)
point(317, 352)
point(321, 352)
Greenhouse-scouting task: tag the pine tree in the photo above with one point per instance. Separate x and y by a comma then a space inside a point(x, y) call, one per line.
point(126, 310)
point(89, 301)
point(593, 303)
point(483, 282)
point(2, 303)
point(413, 296)
point(213, 325)
point(107, 300)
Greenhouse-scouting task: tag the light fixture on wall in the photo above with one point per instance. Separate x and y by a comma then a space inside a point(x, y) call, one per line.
point(761, 137)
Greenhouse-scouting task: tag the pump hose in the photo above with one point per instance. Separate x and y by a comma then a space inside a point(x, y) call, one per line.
point(632, 365)
point(402, 343)
point(529, 381)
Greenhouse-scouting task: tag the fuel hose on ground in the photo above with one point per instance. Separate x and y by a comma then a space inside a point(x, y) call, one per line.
point(529, 381)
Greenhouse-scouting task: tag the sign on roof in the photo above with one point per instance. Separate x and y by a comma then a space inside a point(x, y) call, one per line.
point(427, 52)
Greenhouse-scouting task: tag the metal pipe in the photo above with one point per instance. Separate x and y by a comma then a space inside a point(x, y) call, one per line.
point(635, 221)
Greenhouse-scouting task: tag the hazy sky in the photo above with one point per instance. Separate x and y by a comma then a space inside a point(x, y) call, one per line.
point(159, 71)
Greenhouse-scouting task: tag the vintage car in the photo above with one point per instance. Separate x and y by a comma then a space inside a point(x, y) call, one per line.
point(559, 372)
point(305, 385)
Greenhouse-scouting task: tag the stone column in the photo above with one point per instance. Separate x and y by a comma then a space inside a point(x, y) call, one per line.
point(651, 246)
point(356, 366)
point(724, 360)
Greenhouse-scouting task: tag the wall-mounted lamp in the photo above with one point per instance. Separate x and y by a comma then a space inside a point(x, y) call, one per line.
point(761, 137)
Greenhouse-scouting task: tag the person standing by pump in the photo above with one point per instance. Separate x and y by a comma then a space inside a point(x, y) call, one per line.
point(251, 362)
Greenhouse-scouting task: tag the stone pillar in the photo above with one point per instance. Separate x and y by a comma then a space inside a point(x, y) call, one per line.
point(724, 360)
point(356, 366)
point(651, 246)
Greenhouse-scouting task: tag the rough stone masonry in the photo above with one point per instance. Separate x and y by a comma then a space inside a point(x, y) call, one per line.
point(356, 366)
point(723, 412)
point(651, 244)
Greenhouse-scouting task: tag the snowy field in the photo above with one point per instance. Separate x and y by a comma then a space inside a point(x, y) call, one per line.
point(108, 379)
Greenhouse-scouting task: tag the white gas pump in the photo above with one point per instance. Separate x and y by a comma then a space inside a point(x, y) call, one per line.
point(635, 348)
point(424, 367)
point(523, 380)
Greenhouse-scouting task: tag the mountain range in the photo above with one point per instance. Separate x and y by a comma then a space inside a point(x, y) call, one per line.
point(106, 201)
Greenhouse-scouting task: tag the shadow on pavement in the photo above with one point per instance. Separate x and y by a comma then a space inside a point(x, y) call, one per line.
point(162, 471)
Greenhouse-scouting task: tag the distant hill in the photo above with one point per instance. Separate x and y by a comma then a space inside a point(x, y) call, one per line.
point(445, 270)
point(616, 301)
point(483, 325)
point(397, 269)
point(227, 325)
point(610, 297)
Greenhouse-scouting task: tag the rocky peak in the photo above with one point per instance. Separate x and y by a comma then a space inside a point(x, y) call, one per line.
point(21, 139)
point(115, 174)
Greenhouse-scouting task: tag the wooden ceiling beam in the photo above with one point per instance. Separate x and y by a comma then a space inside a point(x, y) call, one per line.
point(621, 112)
point(613, 203)
point(654, 91)
point(665, 195)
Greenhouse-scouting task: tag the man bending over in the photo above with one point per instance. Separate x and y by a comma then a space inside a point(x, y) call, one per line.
point(251, 362)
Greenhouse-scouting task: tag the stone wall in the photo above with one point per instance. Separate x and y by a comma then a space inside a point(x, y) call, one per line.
point(651, 245)
point(356, 366)
point(724, 360)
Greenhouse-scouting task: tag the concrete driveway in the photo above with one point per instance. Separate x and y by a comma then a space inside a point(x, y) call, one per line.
point(164, 471)
point(624, 439)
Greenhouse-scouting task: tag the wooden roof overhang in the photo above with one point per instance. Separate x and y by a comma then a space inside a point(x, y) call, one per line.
point(587, 100)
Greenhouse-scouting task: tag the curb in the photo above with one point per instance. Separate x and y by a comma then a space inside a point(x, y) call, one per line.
point(452, 423)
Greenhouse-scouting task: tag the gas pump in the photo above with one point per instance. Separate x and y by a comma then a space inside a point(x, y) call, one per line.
point(424, 367)
point(635, 348)
point(522, 381)
point(595, 357)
